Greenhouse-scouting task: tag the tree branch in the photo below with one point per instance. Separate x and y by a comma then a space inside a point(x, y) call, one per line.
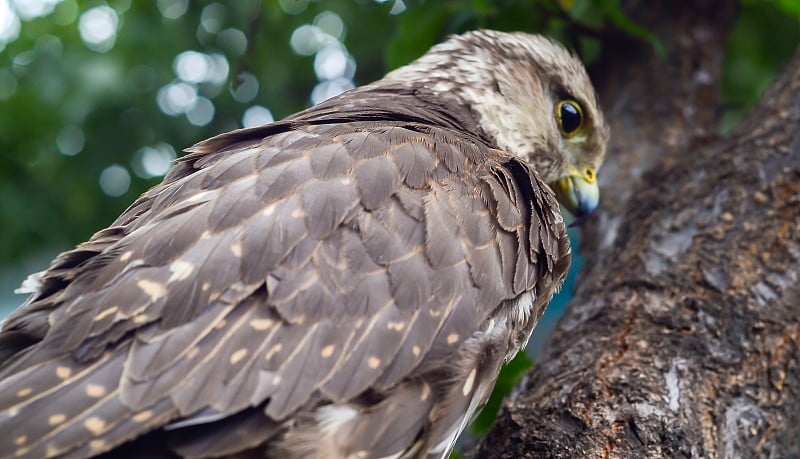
point(684, 335)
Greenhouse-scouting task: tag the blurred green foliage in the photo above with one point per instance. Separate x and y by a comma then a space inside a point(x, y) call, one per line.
point(101, 107)
point(764, 37)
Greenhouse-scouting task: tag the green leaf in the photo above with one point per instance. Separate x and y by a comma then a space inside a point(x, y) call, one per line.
point(510, 374)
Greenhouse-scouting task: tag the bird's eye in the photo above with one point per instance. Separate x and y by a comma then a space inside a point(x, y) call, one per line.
point(569, 116)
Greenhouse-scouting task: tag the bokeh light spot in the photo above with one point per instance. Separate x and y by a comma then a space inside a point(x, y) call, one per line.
point(155, 161)
point(257, 116)
point(307, 39)
point(70, 140)
point(293, 6)
point(245, 88)
point(115, 180)
point(219, 69)
point(192, 66)
point(176, 98)
point(331, 88)
point(234, 41)
point(201, 113)
point(330, 23)
point(212, 17)
point(24, 58)
point(32, 9)
point(9, 24)
point(98, 28)
point(398, 7)
point(173, 9)
point(66, 13)
point(50, 45)
point(330, 63)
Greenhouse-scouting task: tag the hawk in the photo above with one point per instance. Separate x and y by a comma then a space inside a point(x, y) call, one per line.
point(344, 283)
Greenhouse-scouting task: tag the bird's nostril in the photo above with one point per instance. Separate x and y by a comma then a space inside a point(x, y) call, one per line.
point(589, 175)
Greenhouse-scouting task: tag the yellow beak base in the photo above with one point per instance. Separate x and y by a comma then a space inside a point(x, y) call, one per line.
point(578, 192)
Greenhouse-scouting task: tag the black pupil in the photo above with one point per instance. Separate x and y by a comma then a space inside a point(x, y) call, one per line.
point(570, 117)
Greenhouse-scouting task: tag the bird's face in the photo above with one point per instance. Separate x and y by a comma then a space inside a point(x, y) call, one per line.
point(533, 99)
point(569, 151)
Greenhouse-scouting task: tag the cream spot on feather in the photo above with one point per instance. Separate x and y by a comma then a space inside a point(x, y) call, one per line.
point(105, 313)
point(205, 286)
point(397, 326)
point(261, 324)
point(203, 195)
point(56, 419)
point(140, 318)
point(95, 390)
point(143, 416)
point(24, 392)
point(98, 445)
point(192, 353)
point(95, 425)
point(237, 356)
point(63, 372)
point(327, 351)
point(298, 213)
point(126, 256)
point(152, 289)
point(416, 350)
point(236, 249)
point(274, 350)
point(19, 441)
point(452, 338)
point(221, 324)
point(373, 362)
point(269, 210)
point(180, 270)
point(276, 380)
point(469, 383)
point(426, 392)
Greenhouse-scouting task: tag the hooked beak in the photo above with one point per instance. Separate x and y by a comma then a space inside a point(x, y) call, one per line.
point(578, 192)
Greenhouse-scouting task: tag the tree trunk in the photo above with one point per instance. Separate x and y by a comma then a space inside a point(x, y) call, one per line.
point(683, 339)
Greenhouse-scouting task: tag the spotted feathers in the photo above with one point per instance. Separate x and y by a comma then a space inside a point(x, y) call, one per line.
point(343, 283)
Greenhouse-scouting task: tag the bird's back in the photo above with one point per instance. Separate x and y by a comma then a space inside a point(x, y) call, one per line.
point(345, 283)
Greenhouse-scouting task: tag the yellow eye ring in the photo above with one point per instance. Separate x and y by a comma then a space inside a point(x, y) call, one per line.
point(569, 116)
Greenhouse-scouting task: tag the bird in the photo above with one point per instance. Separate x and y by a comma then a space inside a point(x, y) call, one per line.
point(343, 283)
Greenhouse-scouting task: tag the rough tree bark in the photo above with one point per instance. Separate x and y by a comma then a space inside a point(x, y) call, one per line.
point(683, 339)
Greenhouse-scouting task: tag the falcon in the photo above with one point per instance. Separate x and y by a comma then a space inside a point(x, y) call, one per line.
point(344, 283)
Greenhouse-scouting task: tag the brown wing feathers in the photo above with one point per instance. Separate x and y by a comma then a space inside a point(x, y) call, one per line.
point(316, 263)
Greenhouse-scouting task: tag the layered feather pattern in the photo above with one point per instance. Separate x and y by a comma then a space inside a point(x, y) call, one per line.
point(345, 283)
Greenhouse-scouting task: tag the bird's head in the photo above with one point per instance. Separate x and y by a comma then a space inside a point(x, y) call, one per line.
point(532, 98)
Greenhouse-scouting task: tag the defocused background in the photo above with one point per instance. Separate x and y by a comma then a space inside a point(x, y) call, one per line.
point(98, 97)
